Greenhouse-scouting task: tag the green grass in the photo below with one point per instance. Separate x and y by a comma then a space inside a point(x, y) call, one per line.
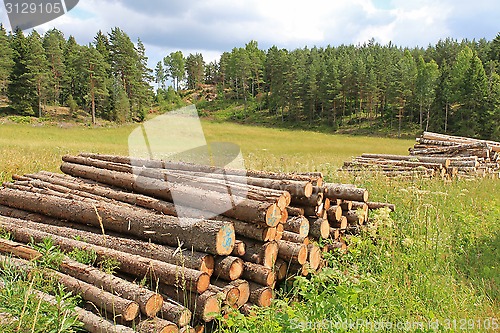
point(435, 259)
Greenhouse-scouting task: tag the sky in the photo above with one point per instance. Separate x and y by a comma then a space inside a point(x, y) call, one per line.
point(214, 26)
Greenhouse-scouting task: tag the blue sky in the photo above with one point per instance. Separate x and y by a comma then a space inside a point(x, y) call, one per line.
point(214, 26)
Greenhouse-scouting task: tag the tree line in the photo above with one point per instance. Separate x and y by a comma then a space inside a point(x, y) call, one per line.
point(109, 78)
point(451, 87)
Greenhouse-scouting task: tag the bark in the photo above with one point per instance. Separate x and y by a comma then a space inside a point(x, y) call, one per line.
point(295, 211)
point(345, 192)
point(426, 159)
point(319, 228)
point(353, 218)
point(239, 248)
point(228, 268)
point(260, 295)
point(208, 201)
point(175, 312)
point(161, 206)
point(130, 264)
point(334, 214)
point(227, 294)
point(91, 322)
point(449, 150)
point(292, 252)
point(185, 258)
point(260, 253)
point(259, 274)
point(203, 168)
point(206, 236)
point(295, 238)
point(204, 306)
point(156, 325)
point(149, 302)
point(281, 269)
point(378, 205)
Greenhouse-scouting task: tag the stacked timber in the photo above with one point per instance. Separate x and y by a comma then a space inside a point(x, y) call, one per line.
point(467, 156)
point(169, 222)
point(435, 155)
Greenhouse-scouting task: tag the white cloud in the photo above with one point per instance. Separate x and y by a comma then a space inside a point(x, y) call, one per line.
point(212, 27)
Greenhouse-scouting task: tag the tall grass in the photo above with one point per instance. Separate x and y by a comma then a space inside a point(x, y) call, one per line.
point(434, 261)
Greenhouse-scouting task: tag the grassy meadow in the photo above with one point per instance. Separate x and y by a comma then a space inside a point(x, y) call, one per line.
point(432, 266)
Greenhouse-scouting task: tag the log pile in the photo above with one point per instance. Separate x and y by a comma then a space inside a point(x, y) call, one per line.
point(435, 155)
point(200, 257)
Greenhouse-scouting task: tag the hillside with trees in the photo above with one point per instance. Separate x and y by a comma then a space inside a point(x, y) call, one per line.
point(452, 87)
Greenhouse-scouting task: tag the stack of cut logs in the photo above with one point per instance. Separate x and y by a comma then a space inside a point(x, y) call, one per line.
point(200, 260)
point(435, 155)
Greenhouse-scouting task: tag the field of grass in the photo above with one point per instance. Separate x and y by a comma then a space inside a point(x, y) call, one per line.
point(433, 265)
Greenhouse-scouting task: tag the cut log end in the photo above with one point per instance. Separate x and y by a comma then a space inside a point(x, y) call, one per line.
point(203, 283)
point(225, 240)
point(153, 305)
point(314, 256)
point(233, 296)
point(308, 190)
point(207, 265)
point(302, 255)
point(273, 215)
point(265, 298)
point(325, 229)
point(131, 312)
point(211, 309)
point(280, 229)
point(236, 269)
point(157, 325)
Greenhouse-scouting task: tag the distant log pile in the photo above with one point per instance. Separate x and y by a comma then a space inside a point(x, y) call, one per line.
point(435, 155)
point(200, 257)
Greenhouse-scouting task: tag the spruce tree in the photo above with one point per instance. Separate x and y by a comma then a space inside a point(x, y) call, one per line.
point(6, 61)
point(37, 68)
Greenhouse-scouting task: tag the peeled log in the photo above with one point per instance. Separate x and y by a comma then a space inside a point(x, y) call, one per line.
point(206, 236)
point(19, 250)
point(298, 224)
point(130, 264)
point(345, 192)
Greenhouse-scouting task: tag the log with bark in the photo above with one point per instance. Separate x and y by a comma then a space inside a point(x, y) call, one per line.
point(258, 274)
point(319, 228)
point(181, 257)
point(130, 264)
point(207, 236)
point(260, 253)
point(292, 252)
point(228, 268)
point(175, 313)
point(297, 224)
point(345, 192)
point(260, 295)
point(204, 306)
point(208, 201)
